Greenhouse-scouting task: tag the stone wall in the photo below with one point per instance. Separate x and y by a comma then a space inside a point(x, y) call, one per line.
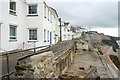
point(37, 66)
point(45, 65)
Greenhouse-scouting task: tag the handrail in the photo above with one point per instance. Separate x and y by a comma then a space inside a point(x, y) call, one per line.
point(34, 53)
point(11, 52)
point(7, 74)
point(44, 50)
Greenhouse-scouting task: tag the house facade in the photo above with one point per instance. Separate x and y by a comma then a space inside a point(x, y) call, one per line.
point(27, 23)
point(78, 32)
point(67, 34)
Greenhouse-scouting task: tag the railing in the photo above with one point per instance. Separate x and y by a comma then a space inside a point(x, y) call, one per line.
point(7, 54)
point(34, 52)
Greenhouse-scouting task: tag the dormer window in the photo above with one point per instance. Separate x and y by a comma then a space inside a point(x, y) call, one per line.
point(32, 9)
point(12, 7)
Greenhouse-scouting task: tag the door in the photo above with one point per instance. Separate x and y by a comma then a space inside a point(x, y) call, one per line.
point(50, 38)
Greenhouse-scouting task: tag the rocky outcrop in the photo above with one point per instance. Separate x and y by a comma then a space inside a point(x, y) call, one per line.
point(112, 43)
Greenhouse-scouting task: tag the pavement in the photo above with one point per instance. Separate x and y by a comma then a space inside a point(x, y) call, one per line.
point(12, 61)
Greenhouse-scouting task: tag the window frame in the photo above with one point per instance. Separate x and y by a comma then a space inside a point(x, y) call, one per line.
point(12, 11)
point(32, 40)
point(48, 15)
point(45, 11)
point(48, 35)
point(45, 35)
point(51, 17)
point(11, 36)
point(32, 14)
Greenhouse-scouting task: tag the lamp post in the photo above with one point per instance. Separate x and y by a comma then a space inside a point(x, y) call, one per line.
point(60, 30)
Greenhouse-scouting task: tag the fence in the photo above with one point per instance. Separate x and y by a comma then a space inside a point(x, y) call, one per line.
point(7, 54)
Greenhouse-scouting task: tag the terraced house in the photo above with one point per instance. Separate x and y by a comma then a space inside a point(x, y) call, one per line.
point(27, 23)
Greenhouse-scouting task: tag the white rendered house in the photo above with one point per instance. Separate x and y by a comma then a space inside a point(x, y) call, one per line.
point(25, 24)
point(13, 24)
point(78, 32)
point(67, 34)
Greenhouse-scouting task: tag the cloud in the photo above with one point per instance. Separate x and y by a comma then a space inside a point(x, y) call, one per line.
point(81, 0)
point(94, 14)
point(107, 31)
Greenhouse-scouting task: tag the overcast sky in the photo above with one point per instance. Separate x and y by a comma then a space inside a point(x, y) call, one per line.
point(87, 13)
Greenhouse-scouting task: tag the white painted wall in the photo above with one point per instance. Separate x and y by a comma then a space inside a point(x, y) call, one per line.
point(37, 23)
point(0, 23)
point(55, 27)
point(78, 33)
point(66, 31)
point(0, 36)
point(0, 13)
point(18, 20)
point(24, 23)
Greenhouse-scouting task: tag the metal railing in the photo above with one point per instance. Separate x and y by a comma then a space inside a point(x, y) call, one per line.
point(7, 54)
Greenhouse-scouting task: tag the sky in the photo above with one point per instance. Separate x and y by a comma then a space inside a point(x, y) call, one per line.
point(99, 15)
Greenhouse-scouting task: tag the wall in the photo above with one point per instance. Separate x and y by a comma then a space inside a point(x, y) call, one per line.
point(55, 29)
point(0, 23)
point(0, 38)
point(66, 31)
point(106, 50)
point(46, 64)
point(18, 20)
point(24, 23)
point(37, 23)
point(0, 12)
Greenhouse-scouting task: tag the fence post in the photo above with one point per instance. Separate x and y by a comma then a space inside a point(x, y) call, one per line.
point(34, 50)
point(7, 56)
point(34, 47)
point(23, 45)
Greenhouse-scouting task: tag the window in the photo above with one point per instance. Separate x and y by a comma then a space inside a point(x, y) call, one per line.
point(64, 36)
point(68, 36)
point(48, 14)
point(64, 29)
point(48, 35)
point(45, 11)
point(32, 34)
point(13, 32)
point(32, 9)
point(44, 35)
point(12, 7)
